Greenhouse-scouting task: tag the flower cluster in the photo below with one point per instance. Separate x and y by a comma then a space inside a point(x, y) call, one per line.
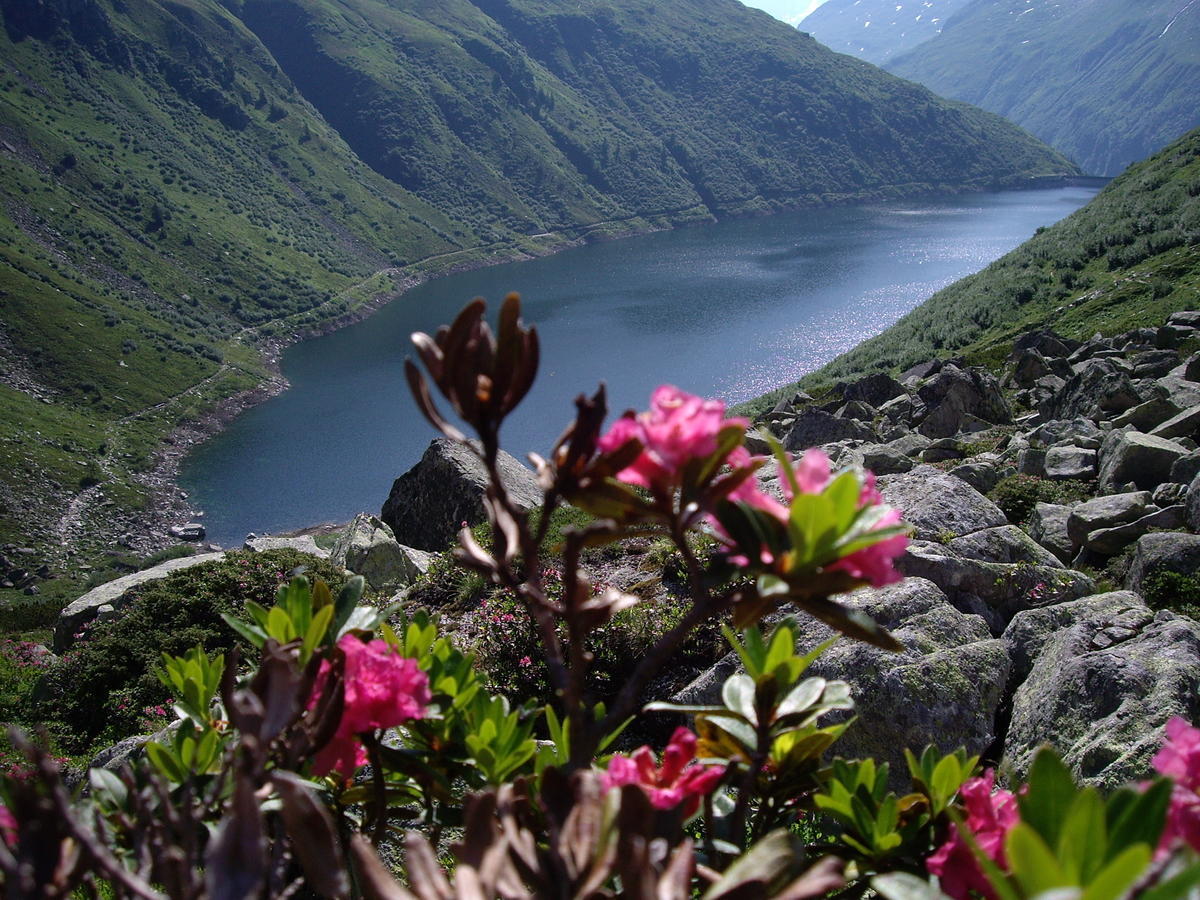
point(382, 690)
point(678, 428)
point(990, 815)
point(1179, 760)
point(8, 826)
point(679, 782)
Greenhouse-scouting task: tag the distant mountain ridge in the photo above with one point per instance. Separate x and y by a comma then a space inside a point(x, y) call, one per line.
point(878, 30)
point(1107, 82)
point(184, 183)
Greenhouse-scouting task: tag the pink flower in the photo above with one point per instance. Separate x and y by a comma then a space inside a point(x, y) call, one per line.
point(8, 826)
point(1179, 760)
point(680, 780)
point(678, 428)
point(524, 662)
point(991, 814)
point(382, 690)
point(876, 564)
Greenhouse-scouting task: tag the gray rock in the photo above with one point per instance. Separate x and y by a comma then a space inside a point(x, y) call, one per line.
point(1146, 416)
point(124, 751)
point(1104, 676)
point(368, 548)
point(1105, 512)
point(1184, 424)
point(1069, 462)
point(1154, 363)
point(1048, 526)
point(1031, 461)
point(1188, 318)
point(941, 450)
point(116, 594)
point(856, 409)
point(1161, 553)
point(428, 504)
point(1145, 460)
point(1170, 336)
point(1046, 343)
point(1004, 544)
point(954, 393)
point(910, 444)
point(1111, 541)
point(1181, 391)
point(302, 544)
point(983, 476)
point(815, 427)
point(900, 410)
point(1078, 432)
point(993, 591)
point(1099, 387)
point(944, 688)
point(875, 390)
point(1169, 493)
point(936, 504)
point(1184, 469)
point(882, 459)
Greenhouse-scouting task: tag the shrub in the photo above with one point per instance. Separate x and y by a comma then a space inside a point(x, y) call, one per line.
point(1018, 495)
point(99, 690)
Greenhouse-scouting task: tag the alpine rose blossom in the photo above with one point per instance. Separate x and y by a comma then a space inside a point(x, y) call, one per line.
point(680, 780)
point(8, 826)
point(990, 815)
point(678, 428)
point(382, 689)
point(1179, 760)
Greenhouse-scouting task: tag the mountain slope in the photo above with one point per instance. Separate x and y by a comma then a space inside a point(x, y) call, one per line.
point(185, 184)
point(538, 114)
point(1126, 260)
point(1107, 82)
point(878, 30)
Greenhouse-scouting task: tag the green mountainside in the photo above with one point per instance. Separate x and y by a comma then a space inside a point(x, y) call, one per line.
point(1107, 82)
point(1126, 260)
point(877, 30)
point(186, 184)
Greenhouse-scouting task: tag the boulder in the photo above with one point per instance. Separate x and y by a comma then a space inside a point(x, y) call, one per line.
point(875, 389)
point(1161, 553)
point(1185, 424)
point(1104, 676)
point(1111, 541)
point(1130, 456)
point(1045, 342)
point(941, 450)
point(1154, 363)
point(428, 504)
point(983, 475)
point(1069, 462)
point(1181, 391)
point(882, 459)
point(1098, 388)
point(303, 543)
point(858, 410)
point(1105, 512)
point(1147, 416)
point(1077, 432)
point(900, 410)
point(815, 427)
point(937, 504)
point(1188, 318)
point(1186, 468)
point(954, 393)
point(369, 548)
point(1004, 544)
point(1048, 526)
point(993, 591)
point(944, 688)
point(910, 444)
point(1169, 493)
point(116, 594)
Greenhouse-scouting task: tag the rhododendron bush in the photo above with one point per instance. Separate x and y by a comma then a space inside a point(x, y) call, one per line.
point(348, 750)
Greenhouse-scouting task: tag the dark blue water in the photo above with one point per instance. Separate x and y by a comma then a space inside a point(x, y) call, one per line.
point(730, 310)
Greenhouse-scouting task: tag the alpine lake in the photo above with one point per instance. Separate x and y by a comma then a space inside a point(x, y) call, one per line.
point(730, 310)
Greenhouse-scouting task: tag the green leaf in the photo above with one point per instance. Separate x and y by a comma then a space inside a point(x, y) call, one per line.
point(1120, 874)
point(1142, 818)
point(1050, 796)
point(1032, 863)
point(738, 696)
point(755, 869)
point(1083, 842)
point(1178, 886)
point(253, 635)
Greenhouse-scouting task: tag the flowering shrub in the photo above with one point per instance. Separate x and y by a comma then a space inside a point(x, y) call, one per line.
point(260, 788)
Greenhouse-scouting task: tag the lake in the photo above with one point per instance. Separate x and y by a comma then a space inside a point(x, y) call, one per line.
point(728, 310)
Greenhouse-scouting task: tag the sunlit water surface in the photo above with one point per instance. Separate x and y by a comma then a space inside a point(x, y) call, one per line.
point(728, 310)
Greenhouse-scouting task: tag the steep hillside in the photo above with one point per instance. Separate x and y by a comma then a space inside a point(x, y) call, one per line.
point(537, 115)
point(1126, 260)
point(187, 184)
point(878, 30)
point(1107, 82)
